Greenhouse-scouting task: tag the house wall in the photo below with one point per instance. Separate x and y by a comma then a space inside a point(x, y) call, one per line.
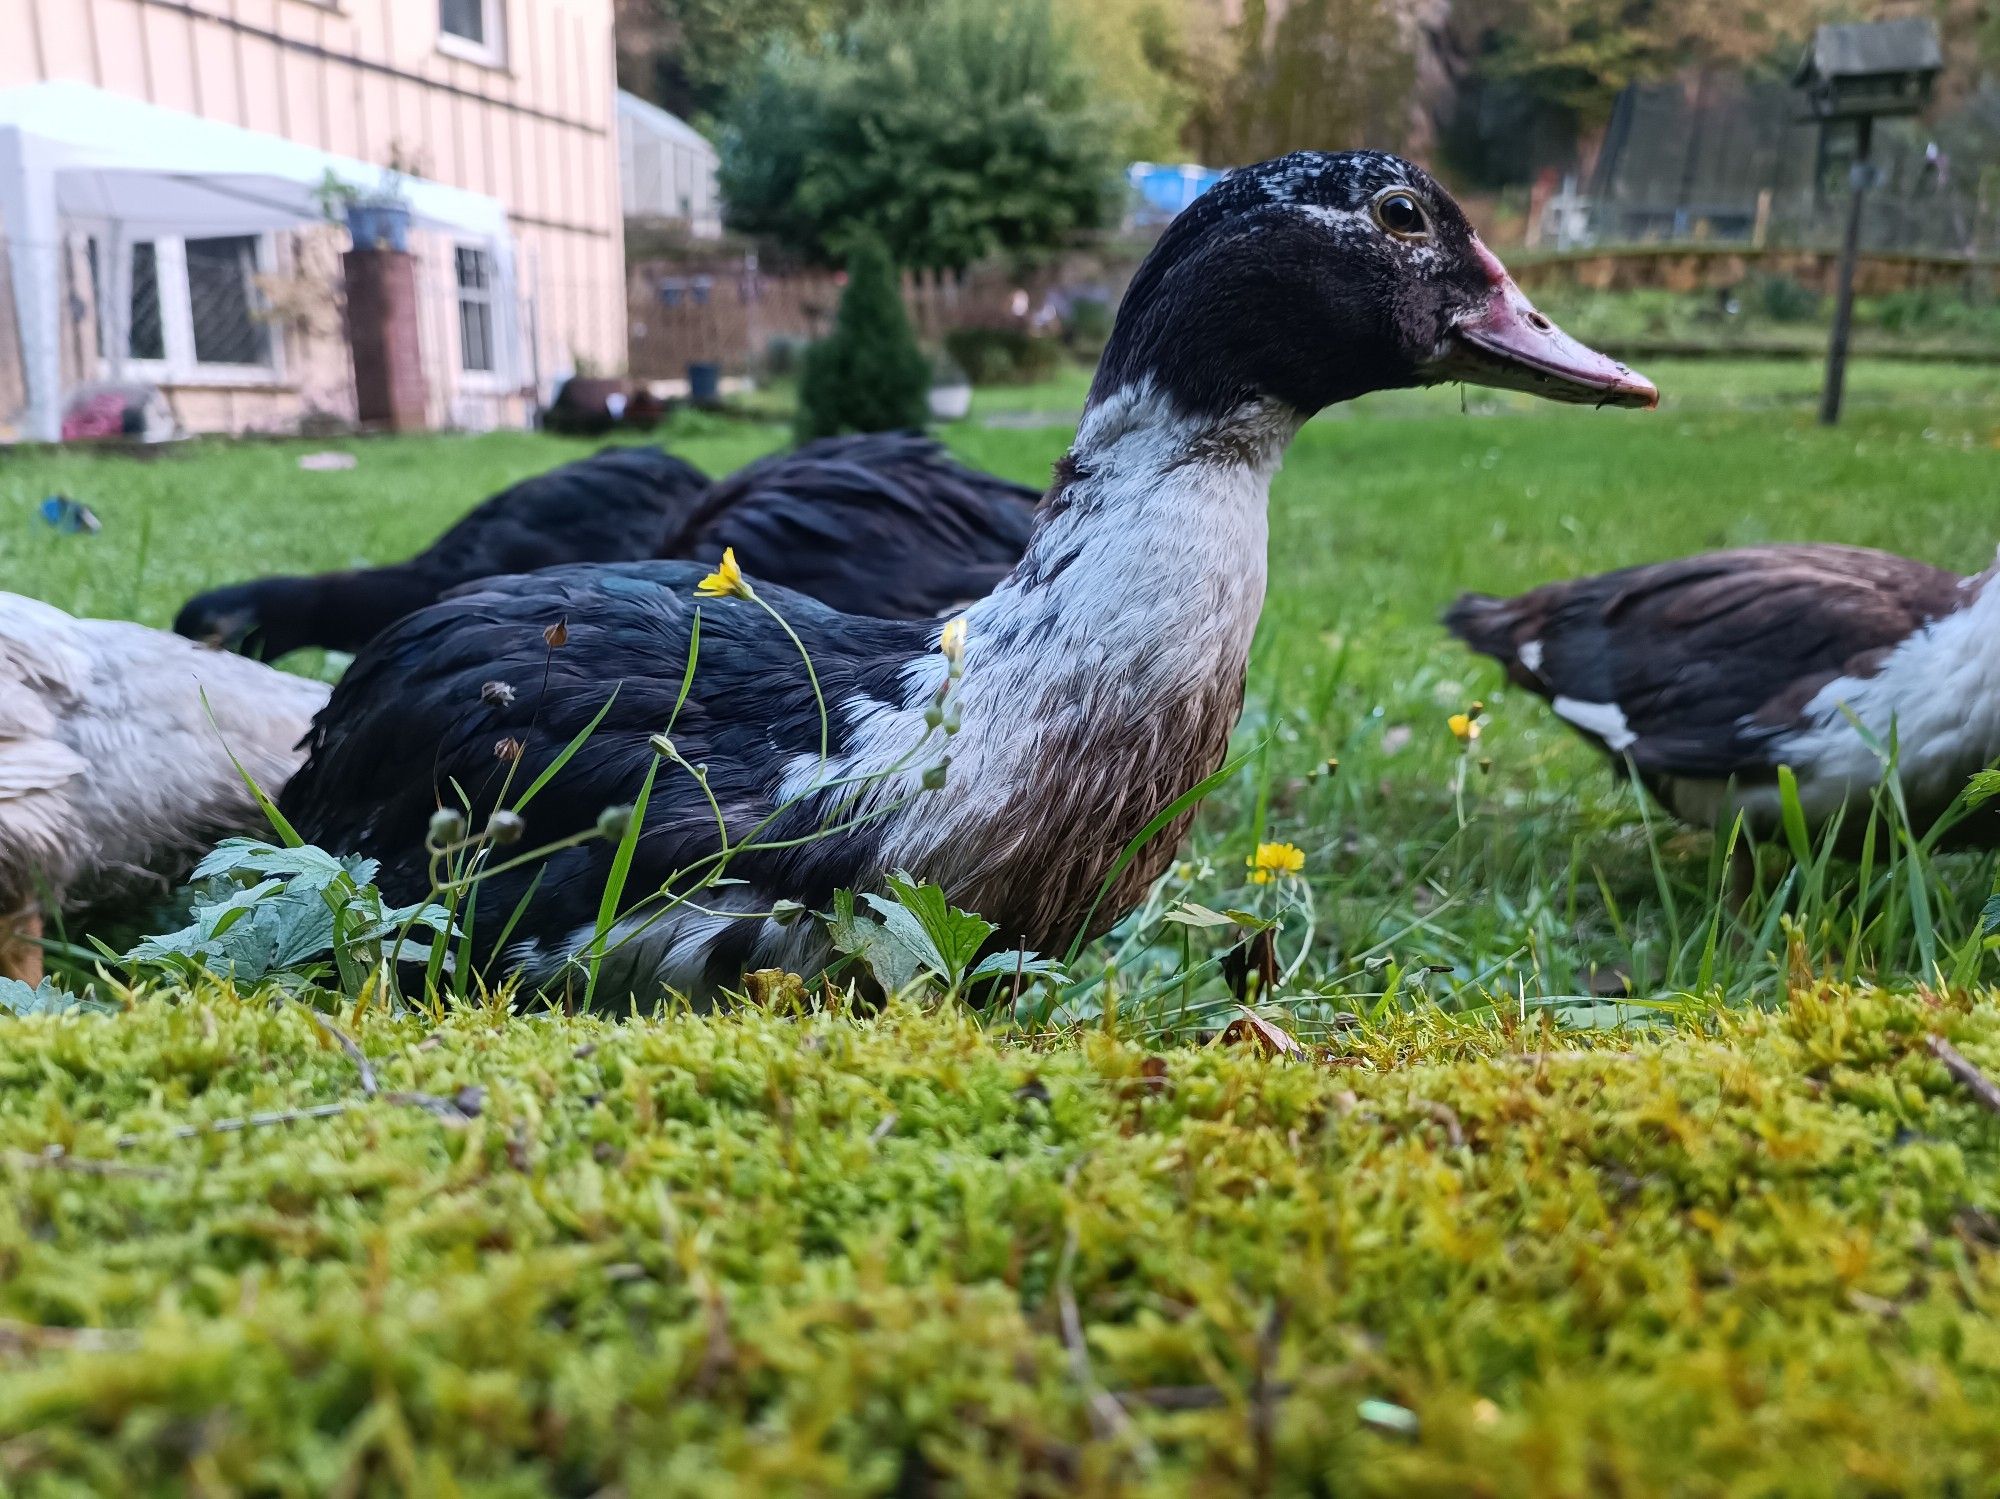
point(370, 79)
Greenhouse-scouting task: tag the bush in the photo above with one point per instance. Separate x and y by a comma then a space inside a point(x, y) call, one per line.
point(1087, 328)
point(955, 131)
point(1003, 355)
point(1782, 300)
point(868, 375)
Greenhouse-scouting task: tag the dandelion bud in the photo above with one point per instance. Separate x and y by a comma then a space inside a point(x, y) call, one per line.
point(952, 642)
point(506, 827)
point(447, 826)
point(663, 747)
point(508, 750)
point(933, 715)
point(497, 695)
point(951, 717)
point(613, 821)
point(557, 634)
point(934, 777)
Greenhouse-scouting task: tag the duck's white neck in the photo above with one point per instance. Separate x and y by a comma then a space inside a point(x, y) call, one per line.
point(1148, 561)
point(1103, 678)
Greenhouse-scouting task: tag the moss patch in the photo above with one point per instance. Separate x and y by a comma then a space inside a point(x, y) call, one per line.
point(766, 1255)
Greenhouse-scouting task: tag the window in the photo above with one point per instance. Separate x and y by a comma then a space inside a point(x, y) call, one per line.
point(148, 334)
point(470, 29)
point(193, 313)
point(221, 280)
point(476, 348)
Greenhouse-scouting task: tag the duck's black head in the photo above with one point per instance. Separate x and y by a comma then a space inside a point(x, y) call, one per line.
point(272, 617)
point(230, 619)
point(1321, 276)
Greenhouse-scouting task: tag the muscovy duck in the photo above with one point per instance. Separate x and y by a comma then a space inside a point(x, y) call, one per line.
point(614, 506)
point(1100, 680)
point(887, 524)
point(113, 777)
point(1708, 673)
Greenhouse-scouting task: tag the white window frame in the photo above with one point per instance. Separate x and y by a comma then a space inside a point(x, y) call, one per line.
point(490, 53)
point(181, 367)
point(478, 381)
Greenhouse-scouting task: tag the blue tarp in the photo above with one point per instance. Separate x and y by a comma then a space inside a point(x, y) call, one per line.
point(1163, 191)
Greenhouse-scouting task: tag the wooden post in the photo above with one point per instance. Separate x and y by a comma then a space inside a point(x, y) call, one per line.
point(1843, 304)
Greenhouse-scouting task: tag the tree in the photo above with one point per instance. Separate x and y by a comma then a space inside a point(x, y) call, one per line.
point(952, 131)
point(684, 54)
point(1580, 54)
point(1156, 61)
point(868, 375)
point(1314, 74)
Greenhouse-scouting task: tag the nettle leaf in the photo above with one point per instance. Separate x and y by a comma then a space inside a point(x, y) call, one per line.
point(1019, 961)
point(1193, 913)
point(1250, 921)
point(17, 998)
point(1991, 913)
point(308, 906)
point(918, 933)
point(955, 936)
point(306, 867)
point(891, 960)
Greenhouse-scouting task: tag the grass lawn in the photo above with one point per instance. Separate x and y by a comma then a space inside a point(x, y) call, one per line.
point(1536, 879)
point(1742, 1235)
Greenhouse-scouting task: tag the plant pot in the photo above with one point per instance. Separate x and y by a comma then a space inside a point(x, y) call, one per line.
point(951, 403)
point(379, 226)
point(705, 384)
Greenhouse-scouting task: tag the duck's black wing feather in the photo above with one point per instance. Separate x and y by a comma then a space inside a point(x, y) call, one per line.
point(437, 702)
point(615, 506)
point(887, 524)
point(1707, 659)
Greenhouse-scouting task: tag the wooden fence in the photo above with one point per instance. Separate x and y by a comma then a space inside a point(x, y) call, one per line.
point(1697, 268)
point(731, 313)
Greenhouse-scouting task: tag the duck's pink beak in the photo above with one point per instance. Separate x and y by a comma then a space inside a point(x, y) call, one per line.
point(1505, 343)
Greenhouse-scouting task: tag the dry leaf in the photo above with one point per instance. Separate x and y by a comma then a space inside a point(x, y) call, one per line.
point(1249, 1026)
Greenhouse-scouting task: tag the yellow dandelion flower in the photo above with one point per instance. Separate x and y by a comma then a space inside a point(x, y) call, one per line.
point(1274, 861)
point(1464, 727)
point(727, 581)
point(952, 641)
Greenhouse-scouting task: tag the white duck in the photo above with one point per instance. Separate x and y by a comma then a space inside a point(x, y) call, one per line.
point(114, 777)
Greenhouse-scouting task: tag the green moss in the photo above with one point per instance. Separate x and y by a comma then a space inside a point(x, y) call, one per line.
point(760, 1255)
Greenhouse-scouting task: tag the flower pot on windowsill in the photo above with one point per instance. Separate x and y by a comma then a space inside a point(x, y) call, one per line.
point(380, 224)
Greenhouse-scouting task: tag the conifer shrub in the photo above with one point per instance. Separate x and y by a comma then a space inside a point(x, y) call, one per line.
point(868, 375)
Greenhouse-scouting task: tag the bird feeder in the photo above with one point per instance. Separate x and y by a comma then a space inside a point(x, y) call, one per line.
point(1859, 74)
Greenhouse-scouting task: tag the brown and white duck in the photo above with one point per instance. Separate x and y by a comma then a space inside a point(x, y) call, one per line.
point(1101, 678)
point(1708, 673)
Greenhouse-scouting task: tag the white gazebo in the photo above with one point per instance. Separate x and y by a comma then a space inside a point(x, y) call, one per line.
point(666, 169)
point(75, 159)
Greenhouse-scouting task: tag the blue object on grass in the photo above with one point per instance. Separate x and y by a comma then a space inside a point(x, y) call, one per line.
point(65, 514)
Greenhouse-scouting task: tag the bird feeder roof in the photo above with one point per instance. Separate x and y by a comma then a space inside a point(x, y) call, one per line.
point(1871, 49)
point(1874, 68)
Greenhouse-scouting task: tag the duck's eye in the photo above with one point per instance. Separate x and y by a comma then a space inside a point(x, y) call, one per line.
point(1402, 215)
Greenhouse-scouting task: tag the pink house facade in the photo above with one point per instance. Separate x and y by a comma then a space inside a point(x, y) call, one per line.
point(501, 113)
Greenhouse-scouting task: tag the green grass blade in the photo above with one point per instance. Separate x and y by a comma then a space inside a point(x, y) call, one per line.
point(614, 884)
point(569, 750)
